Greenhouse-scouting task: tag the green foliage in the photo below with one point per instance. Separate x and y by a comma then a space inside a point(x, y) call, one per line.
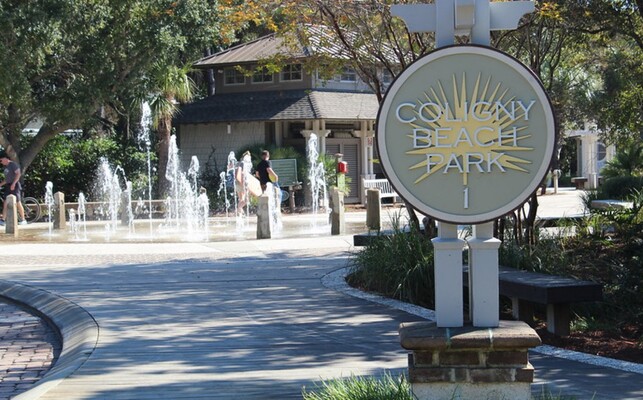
point(362, 388)
point(332, 178)
point(620, 187)
point(71, 162)
point(276, 153)
point(627, 162)
point(398, 264)
point(606, 247)
point(73, 63)
point(210, 179)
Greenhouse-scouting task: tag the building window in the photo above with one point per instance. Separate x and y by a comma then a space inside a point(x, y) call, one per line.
point(262, 76)
point(233, 77)
point(291, 72)
point(348, 75)
point(387, 77)
point(601, 152)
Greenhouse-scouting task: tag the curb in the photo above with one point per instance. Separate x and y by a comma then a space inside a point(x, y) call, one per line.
point(78, 331)
point(336, 280)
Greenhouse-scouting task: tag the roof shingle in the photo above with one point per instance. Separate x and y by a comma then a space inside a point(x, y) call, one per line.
point(280, 105)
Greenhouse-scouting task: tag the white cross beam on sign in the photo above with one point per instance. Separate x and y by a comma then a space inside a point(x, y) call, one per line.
point(448, 18)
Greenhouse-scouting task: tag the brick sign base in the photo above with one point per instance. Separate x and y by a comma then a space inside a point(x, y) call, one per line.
point(468, 362)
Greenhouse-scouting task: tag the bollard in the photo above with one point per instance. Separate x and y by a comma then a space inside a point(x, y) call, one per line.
point(373, 209)
point(125, 206)
point(11, 219)
point(59, 211)
point(263, 217)
point(338, 224)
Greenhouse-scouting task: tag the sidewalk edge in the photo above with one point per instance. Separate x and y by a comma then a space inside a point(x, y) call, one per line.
point(336, 280)
point(78, 330)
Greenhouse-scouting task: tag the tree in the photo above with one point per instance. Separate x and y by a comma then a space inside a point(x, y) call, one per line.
point(628, 161)
point(616, 30)
point(68, 62)
point(172, 84)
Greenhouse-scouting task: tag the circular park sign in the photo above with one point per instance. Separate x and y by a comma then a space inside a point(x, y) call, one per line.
point(466, 134)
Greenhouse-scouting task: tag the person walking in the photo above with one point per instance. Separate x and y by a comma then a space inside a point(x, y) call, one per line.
point(264, 171)
point(12, 181)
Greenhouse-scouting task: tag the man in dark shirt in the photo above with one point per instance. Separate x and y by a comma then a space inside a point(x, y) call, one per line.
point(264, 171)
point(12, 180)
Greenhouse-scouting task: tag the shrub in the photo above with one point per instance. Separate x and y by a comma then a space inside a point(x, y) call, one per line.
point(620, 187)
point(399, 265)
point(71, 163)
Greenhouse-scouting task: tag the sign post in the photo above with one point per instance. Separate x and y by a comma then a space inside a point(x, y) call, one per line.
point(466, 134)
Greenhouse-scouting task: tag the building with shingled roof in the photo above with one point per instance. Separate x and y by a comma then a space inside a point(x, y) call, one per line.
point(282, 108)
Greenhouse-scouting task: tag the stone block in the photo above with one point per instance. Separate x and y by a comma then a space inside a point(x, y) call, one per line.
point(428, 375)
point(424, 358)
point(525, 374)
point(507, 358)
point(459, 358)
point(491, 375)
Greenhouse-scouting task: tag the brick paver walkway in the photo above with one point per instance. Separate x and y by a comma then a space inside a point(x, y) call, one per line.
point(28, 348)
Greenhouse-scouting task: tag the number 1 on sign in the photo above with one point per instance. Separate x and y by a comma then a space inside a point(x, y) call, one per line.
point(466, 198)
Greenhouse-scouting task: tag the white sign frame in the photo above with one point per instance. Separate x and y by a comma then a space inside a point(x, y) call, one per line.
point(542, 169)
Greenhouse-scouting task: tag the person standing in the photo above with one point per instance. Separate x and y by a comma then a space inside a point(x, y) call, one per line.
point(241, 169)
point(12, 181)
point(264, 171)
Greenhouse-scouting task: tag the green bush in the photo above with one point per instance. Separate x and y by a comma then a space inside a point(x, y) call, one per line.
point(399, 265)
point(607, 248)
point(620, 187)
point(70, 162)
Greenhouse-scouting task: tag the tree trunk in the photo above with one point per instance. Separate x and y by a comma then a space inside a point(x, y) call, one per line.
point(44, 135)
point(163, 134)
point(413, 218)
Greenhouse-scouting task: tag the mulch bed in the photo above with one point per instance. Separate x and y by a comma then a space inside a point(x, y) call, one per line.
point(624, 345)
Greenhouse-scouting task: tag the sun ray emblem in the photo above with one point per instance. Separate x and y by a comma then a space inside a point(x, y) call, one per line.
point(476, 133)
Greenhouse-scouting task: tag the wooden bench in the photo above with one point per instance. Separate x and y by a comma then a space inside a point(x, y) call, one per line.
point(385, 187)
point(526, 288)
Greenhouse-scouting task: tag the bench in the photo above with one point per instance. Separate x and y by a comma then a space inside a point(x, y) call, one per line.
point(579, 181)
point(286, 170)
point(526, 288)
point(385, 187)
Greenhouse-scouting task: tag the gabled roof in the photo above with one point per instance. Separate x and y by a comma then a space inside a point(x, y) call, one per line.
point(253, 51)
point(320, 42)
point(280, 105)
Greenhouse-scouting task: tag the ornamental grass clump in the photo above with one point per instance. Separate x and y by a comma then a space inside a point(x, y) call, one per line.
point(362, 388)
point(397, 265)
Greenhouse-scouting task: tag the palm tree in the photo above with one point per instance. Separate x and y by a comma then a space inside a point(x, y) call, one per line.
point(626, 162)
point(173, 86)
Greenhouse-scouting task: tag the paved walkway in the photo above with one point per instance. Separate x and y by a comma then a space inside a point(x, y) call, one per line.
point(27, 348)
point(247, 319)
point(241, 319)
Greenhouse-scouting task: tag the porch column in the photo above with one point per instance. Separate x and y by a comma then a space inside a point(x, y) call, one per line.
point(321, 138)
point(279, 133)
point(365, 136)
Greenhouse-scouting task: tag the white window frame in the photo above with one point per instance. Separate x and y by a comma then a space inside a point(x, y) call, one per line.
point(348, 72)
point(387, 77)
point(287, 72)
point(262, 74)
point(235, 74)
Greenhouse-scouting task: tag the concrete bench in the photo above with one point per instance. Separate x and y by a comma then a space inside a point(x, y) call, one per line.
point(580, 182)
point(526, 288)
point(385, 187)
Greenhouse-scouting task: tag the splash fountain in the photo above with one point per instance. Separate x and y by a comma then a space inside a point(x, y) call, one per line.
point(317, 182)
